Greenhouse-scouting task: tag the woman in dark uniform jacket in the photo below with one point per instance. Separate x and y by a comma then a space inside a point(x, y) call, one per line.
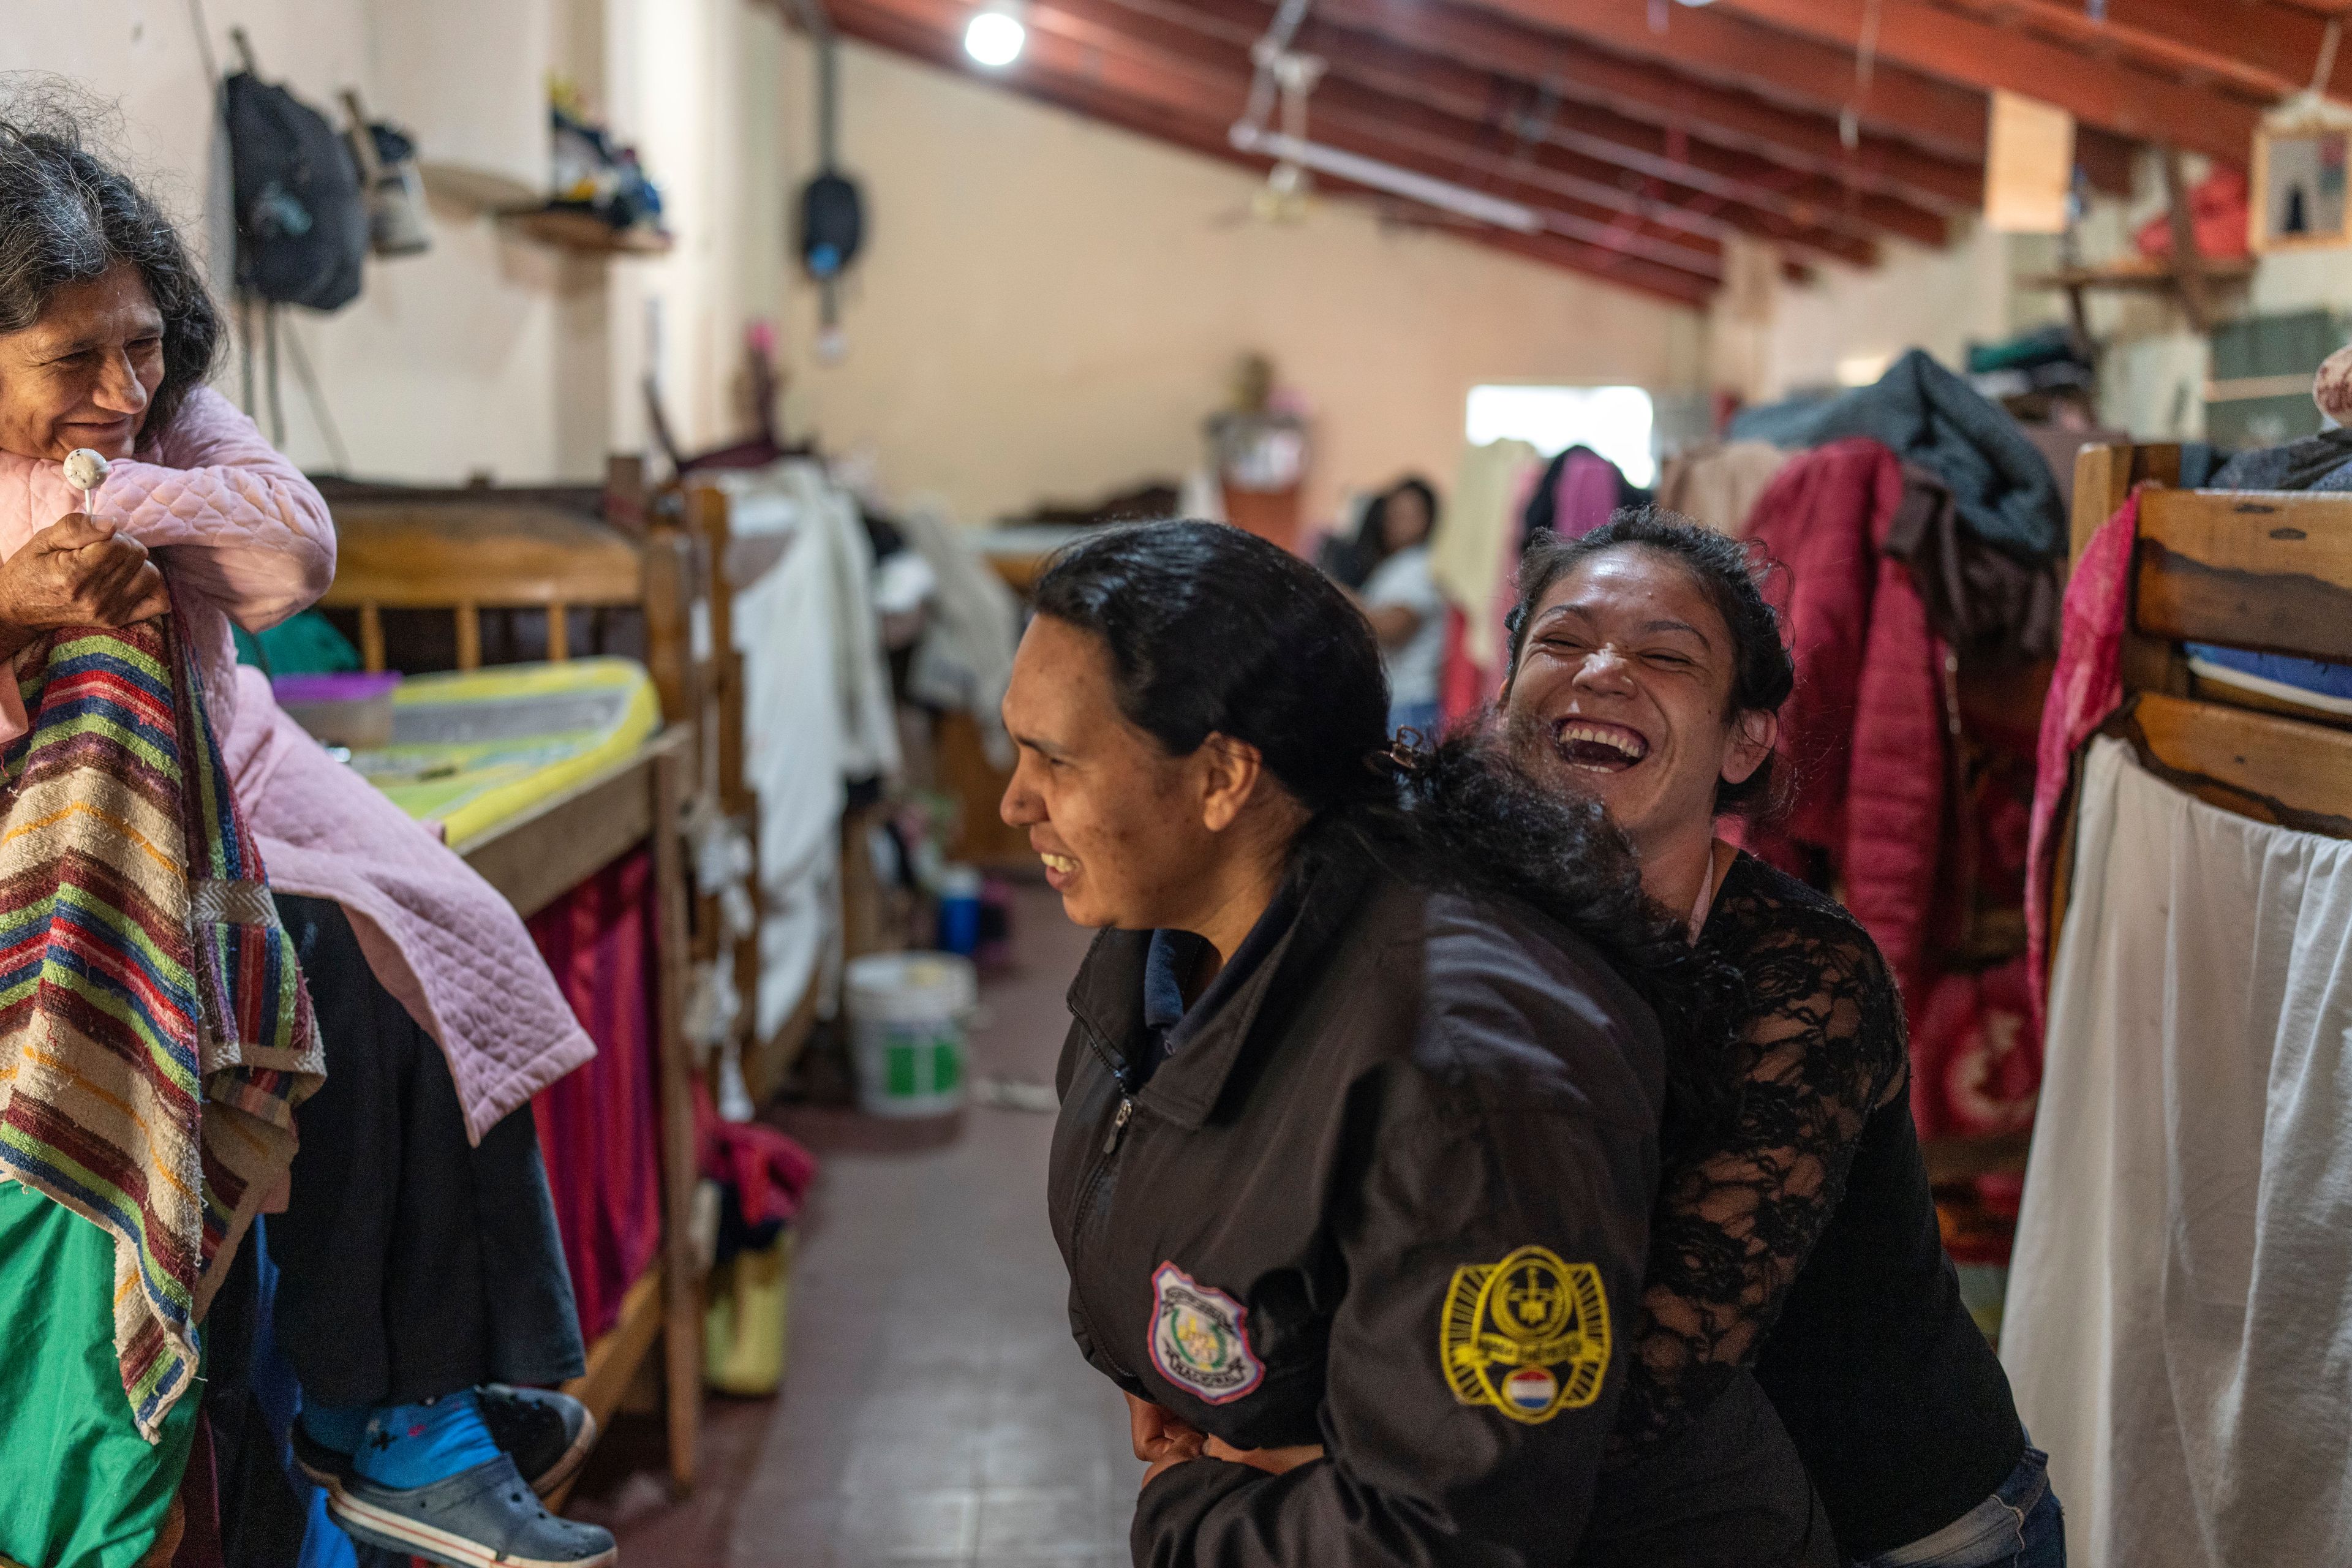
point(1355, 1154)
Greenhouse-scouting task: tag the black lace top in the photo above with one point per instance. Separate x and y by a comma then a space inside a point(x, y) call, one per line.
point(1802, 1241)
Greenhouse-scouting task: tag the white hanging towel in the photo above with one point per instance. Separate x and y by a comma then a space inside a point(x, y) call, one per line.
point(816, 713)
point(2178, 1328)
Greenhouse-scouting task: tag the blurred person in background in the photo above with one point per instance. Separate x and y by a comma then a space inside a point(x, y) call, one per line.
point(1402, 601)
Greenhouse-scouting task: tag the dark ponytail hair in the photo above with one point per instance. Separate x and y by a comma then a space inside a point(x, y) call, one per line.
point(1211, 630)
point(1731, 576)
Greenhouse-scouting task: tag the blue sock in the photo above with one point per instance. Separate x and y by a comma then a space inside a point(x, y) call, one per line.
point(342, 1427)
point(410, 1446)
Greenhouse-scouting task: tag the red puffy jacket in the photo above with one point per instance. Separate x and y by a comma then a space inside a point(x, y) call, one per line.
point(1864, 735)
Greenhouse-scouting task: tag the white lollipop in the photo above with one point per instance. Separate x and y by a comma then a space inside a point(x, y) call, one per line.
point(85, 470)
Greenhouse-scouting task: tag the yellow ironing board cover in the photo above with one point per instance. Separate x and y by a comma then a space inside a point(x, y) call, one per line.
point(473, 748)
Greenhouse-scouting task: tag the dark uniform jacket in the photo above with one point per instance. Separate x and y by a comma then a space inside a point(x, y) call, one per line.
point(1391, 1197)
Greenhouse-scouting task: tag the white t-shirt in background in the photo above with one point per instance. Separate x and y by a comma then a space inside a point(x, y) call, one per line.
point(1414, 665)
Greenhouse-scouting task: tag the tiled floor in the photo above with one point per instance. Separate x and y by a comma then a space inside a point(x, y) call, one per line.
point(935, 1411)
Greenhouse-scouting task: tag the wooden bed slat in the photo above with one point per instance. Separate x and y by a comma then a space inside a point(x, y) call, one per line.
point(407, 557)
point(2103, 478)
point(2274, 769)
point(668, 591)
point(469, 636)
point(682, 1281)
point(371, 639)
point(2265, 571)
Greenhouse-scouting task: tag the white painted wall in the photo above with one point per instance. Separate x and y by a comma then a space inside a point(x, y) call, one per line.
point(1824, 332)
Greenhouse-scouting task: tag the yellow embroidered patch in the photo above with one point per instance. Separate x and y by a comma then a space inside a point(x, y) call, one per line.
point(1529, 1335)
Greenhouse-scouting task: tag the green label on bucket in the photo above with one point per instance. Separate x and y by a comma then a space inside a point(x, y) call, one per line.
point(947, 1064)
point(898, 1069)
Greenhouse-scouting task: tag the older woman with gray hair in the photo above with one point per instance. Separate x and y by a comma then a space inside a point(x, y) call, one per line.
point(420, 1274)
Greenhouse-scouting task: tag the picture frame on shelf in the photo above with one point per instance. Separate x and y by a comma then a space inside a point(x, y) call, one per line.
point(2302, 197)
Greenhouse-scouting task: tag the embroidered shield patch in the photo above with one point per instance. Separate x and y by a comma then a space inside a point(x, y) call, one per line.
point(1528, 1336)
point(1200, 1339)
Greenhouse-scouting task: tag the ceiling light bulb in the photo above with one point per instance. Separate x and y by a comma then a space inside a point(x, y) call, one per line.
point(994, 39)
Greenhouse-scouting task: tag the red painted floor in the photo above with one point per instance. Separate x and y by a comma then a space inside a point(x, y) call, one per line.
point(934, 1409)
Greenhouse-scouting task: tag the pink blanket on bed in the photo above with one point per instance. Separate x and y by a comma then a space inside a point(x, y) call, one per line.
point(243, 534)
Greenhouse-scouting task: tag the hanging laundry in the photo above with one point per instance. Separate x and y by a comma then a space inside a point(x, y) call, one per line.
point(1579, 491)
point(2176, 1328)
point(1986, 602)
point(2006, 492)
point(1718, 483)
point(1480, 538)
point(964, 660)
point(2086, 687)
point(1883, 809)
point(1474, 560)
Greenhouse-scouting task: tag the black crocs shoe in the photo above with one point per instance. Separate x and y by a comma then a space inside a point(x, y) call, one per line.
point(548, 1433)
point(481, 1518)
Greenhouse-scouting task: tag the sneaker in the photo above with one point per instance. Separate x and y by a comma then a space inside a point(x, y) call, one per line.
point(481, 1518)
point(548, 1433)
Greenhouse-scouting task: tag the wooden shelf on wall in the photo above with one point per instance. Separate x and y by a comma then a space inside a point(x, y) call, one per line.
point(567, 229)
point(2145, 272)
point(2195, 285)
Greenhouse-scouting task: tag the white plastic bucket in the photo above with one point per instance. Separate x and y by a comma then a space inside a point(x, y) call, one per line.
point(906, 1015)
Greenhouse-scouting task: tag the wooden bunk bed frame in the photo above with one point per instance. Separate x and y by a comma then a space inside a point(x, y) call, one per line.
point(2268, 571)
point(475, 550)
point(734, 565)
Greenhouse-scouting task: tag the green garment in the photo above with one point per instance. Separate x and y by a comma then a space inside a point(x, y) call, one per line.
point(307, 644)
point(79, 1488)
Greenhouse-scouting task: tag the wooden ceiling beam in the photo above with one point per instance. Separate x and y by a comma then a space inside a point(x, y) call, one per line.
point(1103, 65)
point(2265, 51)
point(1757, 195)
point(1653, 93)
point(1381, 82)
point(1963, 48)
point(883, 23)
point(1808, 79)
point(1780, 65)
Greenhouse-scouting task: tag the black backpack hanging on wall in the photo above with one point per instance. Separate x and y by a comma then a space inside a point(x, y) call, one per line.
point(832, 224)
point(301, 224)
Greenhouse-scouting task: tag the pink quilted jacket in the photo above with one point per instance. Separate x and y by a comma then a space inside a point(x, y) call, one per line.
point(243, 533)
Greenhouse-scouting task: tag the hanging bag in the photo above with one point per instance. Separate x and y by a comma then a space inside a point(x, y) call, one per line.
point(301, 224)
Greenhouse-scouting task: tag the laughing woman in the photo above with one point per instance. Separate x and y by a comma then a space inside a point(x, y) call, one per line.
point(1800, 1238)
point(1359, 1107)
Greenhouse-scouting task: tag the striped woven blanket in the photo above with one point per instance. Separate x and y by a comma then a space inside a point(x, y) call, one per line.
point(155, 1033)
